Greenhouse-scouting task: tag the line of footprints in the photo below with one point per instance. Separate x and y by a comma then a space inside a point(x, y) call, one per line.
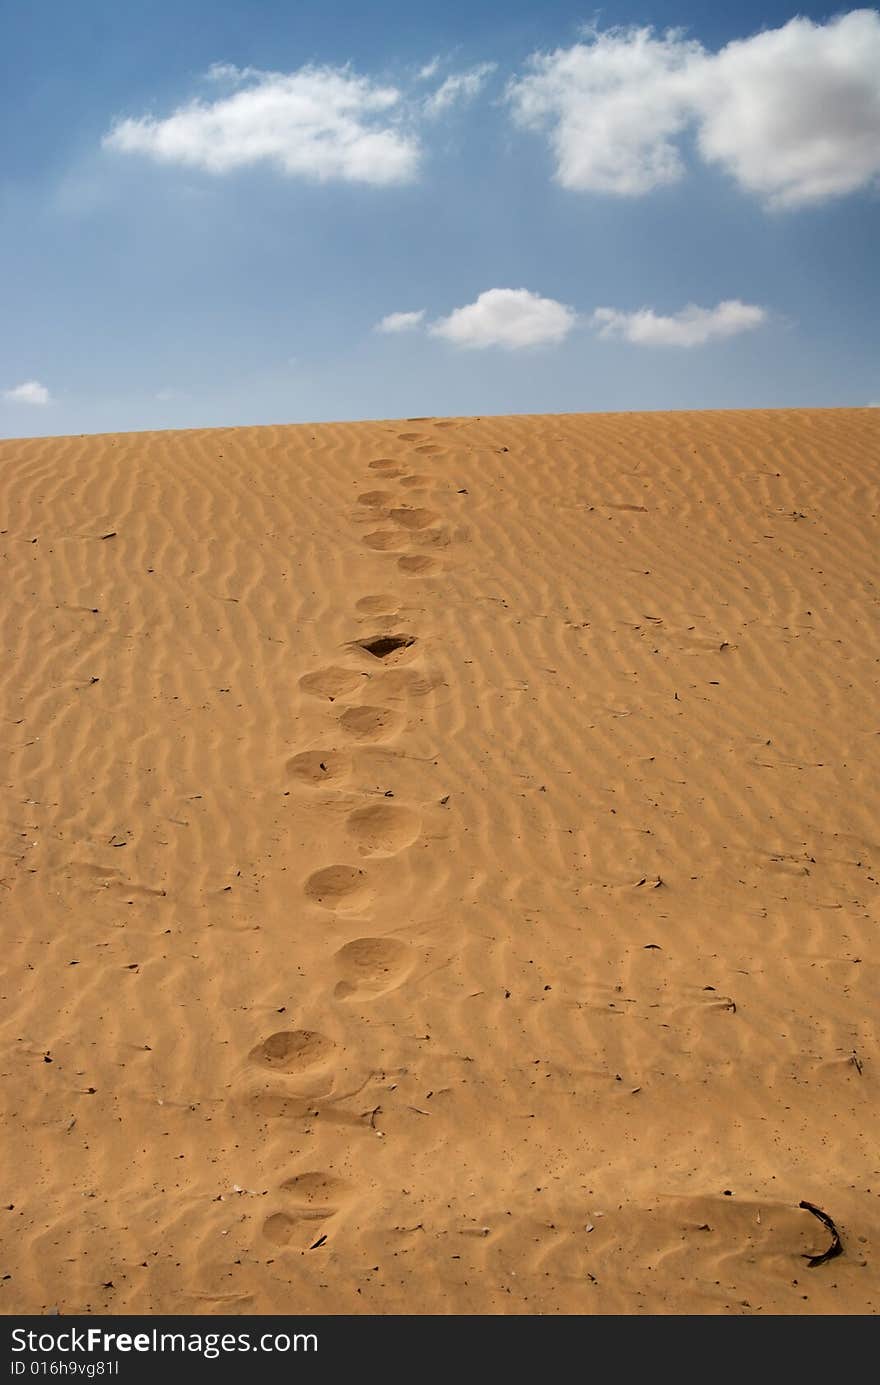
point(366, 967)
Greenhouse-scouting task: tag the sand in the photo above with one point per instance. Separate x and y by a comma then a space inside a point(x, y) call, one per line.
point(530, 966)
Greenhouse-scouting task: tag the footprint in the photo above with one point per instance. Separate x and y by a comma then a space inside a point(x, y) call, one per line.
point(383, 646)
point(377, 605)
point(323, 1191)
point(338, 887)
point(331, 682)
point(427, 538)
point(387, 465)
point(282, 1229)
point(320, 766)
point(369, 723)
point(410, 437)
point(370, 966)
point(428, 449)
point(417, 564)
point(269, 1105)
point(381, 829)
point(414, 519)
point(422, 482)
point(447, 423)
point(314, 1198)
point(384, 539)
point(405, 682)
point(376, 498)
point(293, 1050)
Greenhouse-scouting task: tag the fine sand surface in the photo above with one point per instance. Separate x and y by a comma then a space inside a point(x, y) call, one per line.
point(529, 967)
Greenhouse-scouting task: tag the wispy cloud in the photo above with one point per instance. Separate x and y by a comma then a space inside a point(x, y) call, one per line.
point(691, 326)
point(512, 318)
point(231, 74)
point(322, 123)
point(792, 114)
point(458, 88)
point(400, 322)
point(30, 392)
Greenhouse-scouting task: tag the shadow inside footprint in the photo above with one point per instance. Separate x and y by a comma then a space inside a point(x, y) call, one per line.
point(380, 646)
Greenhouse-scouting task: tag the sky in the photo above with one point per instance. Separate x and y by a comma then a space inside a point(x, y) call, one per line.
point(230, 212)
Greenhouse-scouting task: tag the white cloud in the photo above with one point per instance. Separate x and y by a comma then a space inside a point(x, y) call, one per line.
point(429, 70)
point(319, 122)
point(613, 106)
point(31, 392)
point(792, 114)
point(461, 86)
point(516, 318)
point(400, 322)
point(691, 326)
point(512, 318)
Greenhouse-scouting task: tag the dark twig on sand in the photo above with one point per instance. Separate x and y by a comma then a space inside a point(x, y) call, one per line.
point(836, 1247)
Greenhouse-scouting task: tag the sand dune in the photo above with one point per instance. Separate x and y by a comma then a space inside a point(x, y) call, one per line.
point(526, 962)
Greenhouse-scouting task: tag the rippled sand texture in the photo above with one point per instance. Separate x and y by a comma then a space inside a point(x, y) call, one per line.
point(525, 963)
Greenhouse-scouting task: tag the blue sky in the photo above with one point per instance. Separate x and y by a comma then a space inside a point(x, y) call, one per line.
point(210, 211)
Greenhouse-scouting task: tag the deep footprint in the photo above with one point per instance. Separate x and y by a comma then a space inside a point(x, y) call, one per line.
point(383, 828)
point(381, 646)
point(338, 887)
